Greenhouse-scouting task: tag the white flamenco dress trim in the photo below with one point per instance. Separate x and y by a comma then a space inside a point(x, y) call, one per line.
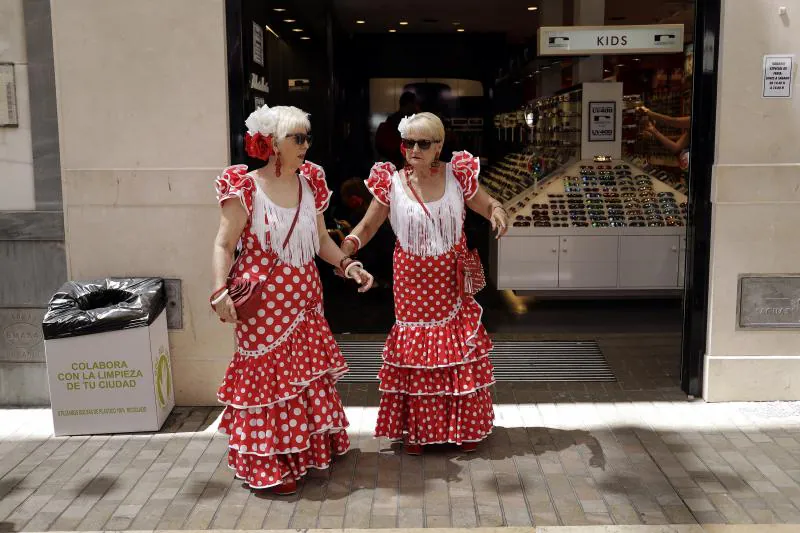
point(419, 234)
point(271, 224)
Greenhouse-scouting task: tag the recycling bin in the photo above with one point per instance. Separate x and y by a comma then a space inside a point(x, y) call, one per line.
point(107, 353)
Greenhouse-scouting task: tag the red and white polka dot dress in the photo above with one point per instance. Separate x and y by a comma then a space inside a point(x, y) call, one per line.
point(283, 413)
point(436, 371)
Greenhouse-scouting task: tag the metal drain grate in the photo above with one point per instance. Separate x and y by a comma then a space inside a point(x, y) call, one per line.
point(513, 361)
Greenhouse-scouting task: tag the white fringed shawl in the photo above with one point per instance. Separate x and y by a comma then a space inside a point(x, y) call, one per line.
point(272, 222)
point(418, 234)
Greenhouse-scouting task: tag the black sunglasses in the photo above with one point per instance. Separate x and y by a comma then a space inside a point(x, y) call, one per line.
point(300, 138)
point(423, 144)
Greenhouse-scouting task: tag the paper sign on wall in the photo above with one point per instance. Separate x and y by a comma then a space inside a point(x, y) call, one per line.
point(602, 121)
point(8, 96)
point(778, 71)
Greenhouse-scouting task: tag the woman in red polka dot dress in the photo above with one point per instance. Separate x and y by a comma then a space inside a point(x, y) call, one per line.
point(283, 413)
point(436, 370)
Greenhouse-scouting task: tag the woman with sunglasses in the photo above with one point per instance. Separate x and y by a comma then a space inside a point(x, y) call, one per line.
point(436, 371)
point(283, 413)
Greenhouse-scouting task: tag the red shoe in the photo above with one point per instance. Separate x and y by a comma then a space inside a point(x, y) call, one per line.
point(413, 449)
point(286, 488)
point(469, 447)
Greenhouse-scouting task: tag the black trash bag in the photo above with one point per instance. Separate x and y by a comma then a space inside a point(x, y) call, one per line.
point(111, 304)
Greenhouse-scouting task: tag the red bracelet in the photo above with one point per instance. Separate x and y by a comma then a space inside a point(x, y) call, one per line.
point(356, 242)
point(343, 264)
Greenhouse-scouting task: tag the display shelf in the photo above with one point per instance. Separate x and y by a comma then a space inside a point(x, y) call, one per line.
point(600, 195)
point(600, 228)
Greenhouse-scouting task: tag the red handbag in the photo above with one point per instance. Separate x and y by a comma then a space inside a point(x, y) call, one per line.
point(245, 291)
point(469, 273)
point(470, 278)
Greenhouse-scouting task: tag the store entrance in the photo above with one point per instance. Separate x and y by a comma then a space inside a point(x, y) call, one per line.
point(586, 149)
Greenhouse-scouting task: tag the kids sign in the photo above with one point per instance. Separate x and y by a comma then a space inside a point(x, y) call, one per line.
point(594, 40)
point(778, 76)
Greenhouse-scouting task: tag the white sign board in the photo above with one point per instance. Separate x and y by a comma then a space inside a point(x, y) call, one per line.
point(778, 71)
point(602, 121)
point(258, 44)
point(111, 382)
point(598, 40)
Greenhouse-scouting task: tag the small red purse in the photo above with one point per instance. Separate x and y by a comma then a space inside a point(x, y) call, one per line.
point(245, 291)
point(470, 278)
point(469, 273)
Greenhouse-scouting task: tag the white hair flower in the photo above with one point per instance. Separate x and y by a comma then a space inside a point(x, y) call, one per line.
point(277, 121)
point(261, 121)
point(404, 124)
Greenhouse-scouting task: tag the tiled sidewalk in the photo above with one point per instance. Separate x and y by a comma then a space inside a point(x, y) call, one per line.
point(630, 452)
point(624, 459)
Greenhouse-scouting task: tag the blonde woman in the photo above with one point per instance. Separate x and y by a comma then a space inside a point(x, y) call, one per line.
point(436, 371)
point(283, 413)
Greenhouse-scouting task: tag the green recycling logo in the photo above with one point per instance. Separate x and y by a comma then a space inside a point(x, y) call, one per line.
point(163, 378)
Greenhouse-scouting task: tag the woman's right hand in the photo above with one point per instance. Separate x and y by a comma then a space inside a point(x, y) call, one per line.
point(226, 311)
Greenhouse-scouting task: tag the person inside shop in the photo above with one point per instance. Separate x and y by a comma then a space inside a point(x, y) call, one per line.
point(679, 146)
point(355, 199)
point(436, 374)
point(282, 377)
point(387, 138)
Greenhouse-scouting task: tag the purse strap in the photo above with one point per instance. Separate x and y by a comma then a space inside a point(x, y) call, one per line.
point(291, 228)
point(414, 192)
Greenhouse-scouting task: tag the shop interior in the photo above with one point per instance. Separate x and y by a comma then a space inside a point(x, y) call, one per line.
point(595, 186)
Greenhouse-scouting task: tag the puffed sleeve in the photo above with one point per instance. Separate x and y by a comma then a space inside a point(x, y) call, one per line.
point(379, 182)
point(315, 176)
point(466, 168)
point(235, 183)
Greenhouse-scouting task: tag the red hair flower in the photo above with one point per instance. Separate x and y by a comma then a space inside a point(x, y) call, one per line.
point(258, 146)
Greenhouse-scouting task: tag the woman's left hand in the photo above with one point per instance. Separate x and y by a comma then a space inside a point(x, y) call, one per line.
point(499, 221)
point(362, 277)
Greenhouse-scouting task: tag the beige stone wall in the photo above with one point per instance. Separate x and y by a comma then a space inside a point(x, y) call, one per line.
point(143, 117)
point(16, 150)
point(756, 197)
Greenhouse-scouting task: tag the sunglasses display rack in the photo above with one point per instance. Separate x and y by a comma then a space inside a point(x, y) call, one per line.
point(519, 171)
point(602, 228)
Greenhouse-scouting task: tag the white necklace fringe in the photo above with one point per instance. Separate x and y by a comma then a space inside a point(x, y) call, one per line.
point(419, 234)
point(273, 222)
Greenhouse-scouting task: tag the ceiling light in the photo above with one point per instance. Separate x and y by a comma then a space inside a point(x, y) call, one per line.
point(289, 21)
point(404, 23)
point(279, 10)
point(393, 30)
point(305, 38)
point(636, 59)
point(461, 30)
point(297, 30)
point(361, 22)
point(456, 24)
point(532, 8)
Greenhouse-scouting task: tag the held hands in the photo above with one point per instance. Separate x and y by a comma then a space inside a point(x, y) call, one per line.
point(362, 277)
